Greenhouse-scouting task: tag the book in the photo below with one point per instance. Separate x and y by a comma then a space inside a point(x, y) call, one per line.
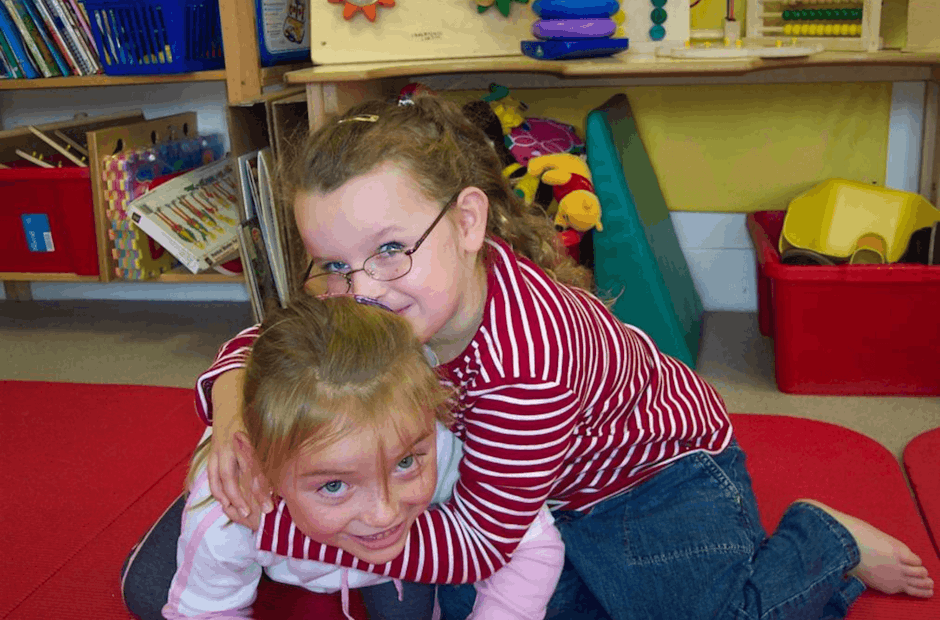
point(30, 38)
point(193, 216)
point(257, 309)
point(12, 36)
point(9, 58)
point(254, 251)
point(44, 38)
point(270, 222)
point(17, 45)
point(55, 32)
point(84, 50)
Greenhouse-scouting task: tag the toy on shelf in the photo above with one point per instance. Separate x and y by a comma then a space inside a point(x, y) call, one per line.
point(369, 8)
point(843, 26)
point(503, 6)
point(572, 188)
point(726, 43)
point(571, 29)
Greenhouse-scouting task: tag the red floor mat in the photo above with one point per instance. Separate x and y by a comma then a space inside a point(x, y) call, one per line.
point(75, 458)
point(86, 469)
point(922, 462)
point(791, 458)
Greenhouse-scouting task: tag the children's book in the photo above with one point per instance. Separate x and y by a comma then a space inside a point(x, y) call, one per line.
point(270, 222)
point(283, 30)
point(54, 28)
point(251, 279)
point(15, 39)
point(44, 38)
point(194, 216)
point(30, 37)
point(254, 251)
point(9, 58)
point(74, 11)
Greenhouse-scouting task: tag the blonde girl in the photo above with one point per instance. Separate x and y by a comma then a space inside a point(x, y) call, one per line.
point(344, 415)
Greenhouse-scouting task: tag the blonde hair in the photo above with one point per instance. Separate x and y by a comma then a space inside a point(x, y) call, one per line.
point(322, 367)
point(444, 152)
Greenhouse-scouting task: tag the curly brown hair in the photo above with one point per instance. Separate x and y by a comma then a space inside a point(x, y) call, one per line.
point(444, 152)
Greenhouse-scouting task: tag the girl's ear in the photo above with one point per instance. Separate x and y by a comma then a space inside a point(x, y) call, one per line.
point(471, 210)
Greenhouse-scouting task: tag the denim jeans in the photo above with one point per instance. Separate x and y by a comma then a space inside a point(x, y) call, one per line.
point(688, 544)
point(381, 601)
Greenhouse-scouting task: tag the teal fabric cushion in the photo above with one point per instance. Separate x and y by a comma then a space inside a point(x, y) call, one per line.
point(637, 258)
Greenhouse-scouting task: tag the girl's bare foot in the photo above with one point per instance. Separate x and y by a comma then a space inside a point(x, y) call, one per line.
point(887, 564)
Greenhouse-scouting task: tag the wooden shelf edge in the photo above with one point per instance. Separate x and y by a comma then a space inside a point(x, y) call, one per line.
point(185, 276)
point(112, 80)
point(18, 276)
point(175, 277)
point(616, 66)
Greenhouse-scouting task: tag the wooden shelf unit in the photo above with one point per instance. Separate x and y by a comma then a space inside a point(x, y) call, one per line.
point(246, 82)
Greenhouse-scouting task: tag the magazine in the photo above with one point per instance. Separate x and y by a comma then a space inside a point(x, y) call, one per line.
point(194, 216)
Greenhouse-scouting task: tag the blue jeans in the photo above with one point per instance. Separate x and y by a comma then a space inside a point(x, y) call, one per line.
point(688, 544)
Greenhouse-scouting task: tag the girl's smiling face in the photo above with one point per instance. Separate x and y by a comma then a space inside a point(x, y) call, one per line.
point(443, 294)
point(363, 492)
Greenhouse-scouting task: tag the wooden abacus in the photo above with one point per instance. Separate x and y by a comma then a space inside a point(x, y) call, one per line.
point(843, 26)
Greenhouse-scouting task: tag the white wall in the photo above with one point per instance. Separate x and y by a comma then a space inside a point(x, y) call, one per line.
point(716, 245)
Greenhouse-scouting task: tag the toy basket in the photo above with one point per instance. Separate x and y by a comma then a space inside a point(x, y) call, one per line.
point(152, 36)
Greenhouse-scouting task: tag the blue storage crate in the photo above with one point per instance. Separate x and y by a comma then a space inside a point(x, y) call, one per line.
point(150, 36)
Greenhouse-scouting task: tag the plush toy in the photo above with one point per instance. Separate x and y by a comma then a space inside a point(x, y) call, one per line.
point(509, 110)
point(570, 178)
point(482, 115)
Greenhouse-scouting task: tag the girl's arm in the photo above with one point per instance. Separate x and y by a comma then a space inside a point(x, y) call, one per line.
point(522, 589)
point(217, 572)
point(235, 483)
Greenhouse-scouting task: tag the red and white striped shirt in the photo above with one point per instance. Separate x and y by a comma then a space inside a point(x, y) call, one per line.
point(558, 401)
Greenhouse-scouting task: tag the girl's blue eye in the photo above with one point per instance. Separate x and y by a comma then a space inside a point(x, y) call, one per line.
point(407, 462)
point(392, 247)
point(333, 487)
point(334, 267)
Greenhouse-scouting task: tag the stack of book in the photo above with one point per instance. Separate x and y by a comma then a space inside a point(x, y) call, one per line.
point(46, 38)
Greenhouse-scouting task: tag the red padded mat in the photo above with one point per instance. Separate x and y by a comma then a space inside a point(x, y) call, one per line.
point(791, 458)
point(922, 462)
point(85, 471)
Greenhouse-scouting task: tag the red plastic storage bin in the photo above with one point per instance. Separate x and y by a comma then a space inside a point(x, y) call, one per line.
point(63, 195)
point(847, 329)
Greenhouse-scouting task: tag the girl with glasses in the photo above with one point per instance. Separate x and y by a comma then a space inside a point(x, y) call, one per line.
point(557, 401)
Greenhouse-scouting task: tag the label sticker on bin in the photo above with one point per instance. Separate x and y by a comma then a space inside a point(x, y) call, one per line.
point(38, 234)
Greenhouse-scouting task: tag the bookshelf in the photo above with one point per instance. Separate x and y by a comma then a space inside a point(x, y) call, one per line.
point(246, 83)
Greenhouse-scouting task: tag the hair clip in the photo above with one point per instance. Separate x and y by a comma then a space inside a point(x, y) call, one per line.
point(362, 118)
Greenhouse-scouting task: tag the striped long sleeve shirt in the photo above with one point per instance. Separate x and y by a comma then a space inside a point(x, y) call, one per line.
point(557, 401)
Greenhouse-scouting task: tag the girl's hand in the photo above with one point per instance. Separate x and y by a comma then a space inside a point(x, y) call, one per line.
point(234, 476)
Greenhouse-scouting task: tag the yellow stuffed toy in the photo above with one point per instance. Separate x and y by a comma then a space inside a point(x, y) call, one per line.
point(570, 178)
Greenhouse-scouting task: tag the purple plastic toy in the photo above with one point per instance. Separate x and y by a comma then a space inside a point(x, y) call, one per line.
point(573, 28)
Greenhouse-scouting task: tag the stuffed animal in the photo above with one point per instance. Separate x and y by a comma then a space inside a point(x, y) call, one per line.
point(570, 178)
